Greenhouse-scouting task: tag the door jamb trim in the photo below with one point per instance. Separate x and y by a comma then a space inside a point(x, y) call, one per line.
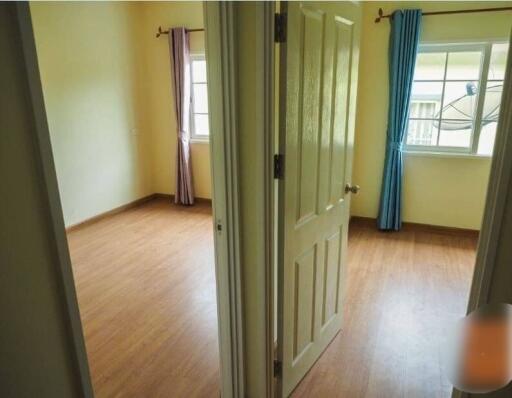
point(269, 115)
point(221, 46)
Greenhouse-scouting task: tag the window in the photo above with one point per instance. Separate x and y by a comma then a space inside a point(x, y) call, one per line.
point(199, 99)
point(455, 98)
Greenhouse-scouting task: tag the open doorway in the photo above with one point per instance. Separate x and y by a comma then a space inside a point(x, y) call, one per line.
point(404, 289)
point(407, 289)
point(143, 266)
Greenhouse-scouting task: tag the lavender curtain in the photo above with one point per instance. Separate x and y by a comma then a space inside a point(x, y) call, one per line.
point(179, 48)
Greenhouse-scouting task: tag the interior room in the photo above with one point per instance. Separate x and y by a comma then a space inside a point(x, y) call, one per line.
point(143, 265)
point(352, 145)
point(107, 86)
point(407, 288)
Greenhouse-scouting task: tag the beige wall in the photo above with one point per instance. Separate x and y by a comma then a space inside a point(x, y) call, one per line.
point(92, 81)
point(108, 93)
point(162, 118)
point(437, 190)
point(37, 355)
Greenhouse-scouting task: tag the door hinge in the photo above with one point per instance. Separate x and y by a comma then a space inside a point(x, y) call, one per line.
point(278, 368)
point(280, 28)
point(279, 166)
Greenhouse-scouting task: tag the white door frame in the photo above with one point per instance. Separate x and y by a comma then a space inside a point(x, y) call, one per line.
point(495, 204)
point(222, 83)
point(224, 154)
point(240, 61)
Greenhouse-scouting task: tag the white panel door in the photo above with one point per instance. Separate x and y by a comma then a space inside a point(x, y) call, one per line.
point(317, 101)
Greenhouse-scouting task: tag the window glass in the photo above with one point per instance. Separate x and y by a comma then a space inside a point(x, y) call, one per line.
point(451, 136)
point(422, 132)
point(199, 106)
point(201, 125)
point(426, 99)
point(493, 93)
point(498, 61)
point(430, 66)
point(464, 65)
point(423, 109)
point(460, 99)
point(199, 71)
point(448, 106)
point(200, 98)
point(492, 101)
point(487, 136)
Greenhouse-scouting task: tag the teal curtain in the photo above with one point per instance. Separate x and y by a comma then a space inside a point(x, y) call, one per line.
point(403, 47)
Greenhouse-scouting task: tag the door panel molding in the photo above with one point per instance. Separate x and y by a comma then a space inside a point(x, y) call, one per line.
point(309, 120)
point(315, 133)
point(328, 271)
point(305, 264)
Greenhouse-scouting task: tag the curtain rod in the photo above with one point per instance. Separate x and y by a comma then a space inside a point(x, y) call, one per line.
point(166, 32)
point(381, 13)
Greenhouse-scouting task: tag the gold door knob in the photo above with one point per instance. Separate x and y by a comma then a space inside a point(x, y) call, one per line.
point(352, 188)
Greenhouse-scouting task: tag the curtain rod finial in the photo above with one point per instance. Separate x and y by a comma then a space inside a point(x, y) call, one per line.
point(381, 13)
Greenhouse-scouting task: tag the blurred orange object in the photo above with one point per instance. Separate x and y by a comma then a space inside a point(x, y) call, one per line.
point(484, 360)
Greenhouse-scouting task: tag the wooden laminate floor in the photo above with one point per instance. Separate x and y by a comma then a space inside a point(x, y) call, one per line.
point(145, 282)
point(146, 290)
point(404, 290)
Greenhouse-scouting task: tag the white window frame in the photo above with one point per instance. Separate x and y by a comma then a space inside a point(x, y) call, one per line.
point(485, 48)
point(193, 136)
